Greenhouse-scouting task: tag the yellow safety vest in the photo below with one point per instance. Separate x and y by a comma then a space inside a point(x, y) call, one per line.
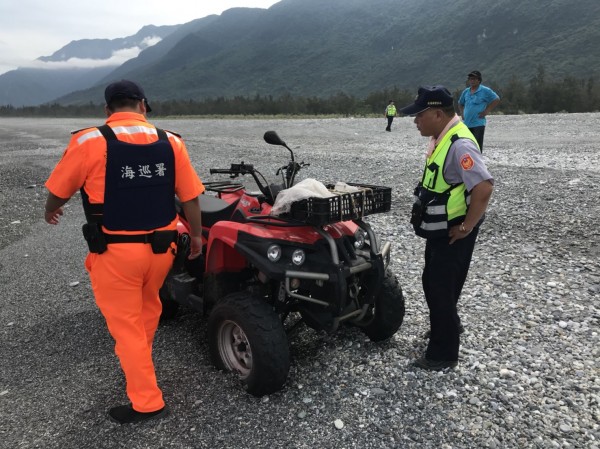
point(443, 205)
point(390, 110)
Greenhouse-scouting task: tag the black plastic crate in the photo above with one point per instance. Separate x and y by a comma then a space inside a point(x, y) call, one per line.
point(343, 206)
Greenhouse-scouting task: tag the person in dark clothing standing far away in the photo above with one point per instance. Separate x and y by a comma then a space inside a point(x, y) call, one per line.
point(475, 102)
point(128, 173)
point(390, 113)
point(450, 204)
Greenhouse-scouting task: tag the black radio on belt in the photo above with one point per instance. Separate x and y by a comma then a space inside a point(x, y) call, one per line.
point(93, 235)
point(161, 241)
point(418, 209)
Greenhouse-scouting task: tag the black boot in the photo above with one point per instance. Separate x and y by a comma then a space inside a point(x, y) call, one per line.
point(434, 365)
point(125, 414)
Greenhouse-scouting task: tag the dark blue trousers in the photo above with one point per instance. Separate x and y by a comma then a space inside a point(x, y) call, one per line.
point(444, 274)
point(478, 133)
point(390, 119)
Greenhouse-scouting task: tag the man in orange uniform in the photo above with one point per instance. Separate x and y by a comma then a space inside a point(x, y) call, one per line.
point(129, 173)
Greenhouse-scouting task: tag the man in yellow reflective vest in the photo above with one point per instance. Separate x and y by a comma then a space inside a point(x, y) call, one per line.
point(450, 204)
point(390, 113)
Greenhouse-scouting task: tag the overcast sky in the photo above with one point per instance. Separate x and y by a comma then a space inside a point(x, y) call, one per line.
point(33, 28)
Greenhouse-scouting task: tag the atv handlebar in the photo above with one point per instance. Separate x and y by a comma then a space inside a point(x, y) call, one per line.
point(234, 170)
point(288, 172)
point(245, 169)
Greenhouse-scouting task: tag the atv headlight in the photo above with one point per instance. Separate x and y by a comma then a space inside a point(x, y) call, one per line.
point(298, 257)
point(359, 235)
point(274, 253)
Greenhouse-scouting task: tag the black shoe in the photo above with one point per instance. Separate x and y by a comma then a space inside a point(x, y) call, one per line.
point(434, 365)
point(388, 130)
point(461, 330)
point(125, 414)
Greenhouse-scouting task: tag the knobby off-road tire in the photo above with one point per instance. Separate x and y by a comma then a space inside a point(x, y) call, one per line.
point(385, 318)
point(217, 286)
point(246, 336)
point(169, 305)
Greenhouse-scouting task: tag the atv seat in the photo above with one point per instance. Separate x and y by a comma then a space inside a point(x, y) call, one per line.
point(215, 209)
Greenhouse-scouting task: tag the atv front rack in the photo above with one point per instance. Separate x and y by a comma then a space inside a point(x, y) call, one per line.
point(369, 199)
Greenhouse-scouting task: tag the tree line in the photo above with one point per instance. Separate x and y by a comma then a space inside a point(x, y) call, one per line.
point(537, 96)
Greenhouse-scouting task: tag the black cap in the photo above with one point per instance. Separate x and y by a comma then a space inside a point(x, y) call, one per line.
point(475, 74)
point(429, 97)
point(125, 89)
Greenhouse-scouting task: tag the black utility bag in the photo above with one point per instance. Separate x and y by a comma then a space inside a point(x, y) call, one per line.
point(93, 235)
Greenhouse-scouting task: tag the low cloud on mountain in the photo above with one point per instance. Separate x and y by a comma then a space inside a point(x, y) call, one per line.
point(117, 58)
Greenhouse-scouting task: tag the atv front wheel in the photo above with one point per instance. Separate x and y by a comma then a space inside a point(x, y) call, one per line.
point(385, 317)
point(246, 336)
point(169, 306)
point(217, 286)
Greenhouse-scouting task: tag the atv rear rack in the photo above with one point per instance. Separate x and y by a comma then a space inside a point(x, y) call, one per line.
point(223, 186)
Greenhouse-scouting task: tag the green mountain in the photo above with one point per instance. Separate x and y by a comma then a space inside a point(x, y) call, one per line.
point(322, 47)
point(56, 76)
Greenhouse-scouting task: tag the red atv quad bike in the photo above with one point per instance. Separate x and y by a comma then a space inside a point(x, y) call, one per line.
point(262, 276)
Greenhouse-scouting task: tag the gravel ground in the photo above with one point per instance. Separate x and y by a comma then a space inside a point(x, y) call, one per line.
point(529, 370)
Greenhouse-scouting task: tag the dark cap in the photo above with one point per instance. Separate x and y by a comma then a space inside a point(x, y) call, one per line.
point(475, 74)
point(125, 89)
point(429, 97)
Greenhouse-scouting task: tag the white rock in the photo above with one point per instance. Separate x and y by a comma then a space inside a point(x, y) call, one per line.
point(339, 424)
point(73, 284)
point(565, 428)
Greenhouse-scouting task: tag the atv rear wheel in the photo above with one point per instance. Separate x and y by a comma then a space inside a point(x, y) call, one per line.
point(385, 317)
point(246, 336)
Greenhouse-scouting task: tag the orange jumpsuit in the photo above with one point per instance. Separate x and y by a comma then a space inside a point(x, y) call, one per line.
point(127, 276)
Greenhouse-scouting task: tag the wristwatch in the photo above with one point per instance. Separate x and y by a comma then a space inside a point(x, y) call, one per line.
point(461, 228)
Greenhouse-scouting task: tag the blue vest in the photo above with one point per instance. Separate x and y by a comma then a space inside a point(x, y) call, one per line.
point(139, 187)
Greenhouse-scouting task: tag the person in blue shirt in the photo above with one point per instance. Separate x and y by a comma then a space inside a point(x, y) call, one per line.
point(475, 102)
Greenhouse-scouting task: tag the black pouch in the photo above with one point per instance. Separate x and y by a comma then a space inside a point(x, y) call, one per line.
point(93, 235)
point(418, 208)
point(161, 241)
point(417, 212)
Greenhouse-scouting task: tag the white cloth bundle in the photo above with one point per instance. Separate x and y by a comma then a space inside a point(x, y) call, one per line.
point(342, 187)
point(308, 188)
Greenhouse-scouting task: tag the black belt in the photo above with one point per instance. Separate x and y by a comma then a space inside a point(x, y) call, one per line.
point(135, 238)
